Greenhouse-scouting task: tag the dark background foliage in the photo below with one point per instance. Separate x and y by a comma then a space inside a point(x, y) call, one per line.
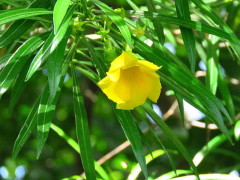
point(58, 160)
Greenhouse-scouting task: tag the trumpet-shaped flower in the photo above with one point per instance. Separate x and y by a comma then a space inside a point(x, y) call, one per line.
point(130, 81)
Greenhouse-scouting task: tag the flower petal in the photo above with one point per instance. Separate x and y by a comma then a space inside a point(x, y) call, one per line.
point(114, 75)
point(148, 65)
point(130, 60)
point(104, 83)
point(117, 92)
point(124, 61)
point(156, 90)
point(140, 86)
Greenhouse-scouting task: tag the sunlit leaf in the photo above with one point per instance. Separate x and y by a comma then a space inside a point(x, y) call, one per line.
point(182, 8)
point(82, 129)
point(13, 15)
point(16, 62)
point(19, 27)
point(59, 12)
point(171, 137)
point(50, 45)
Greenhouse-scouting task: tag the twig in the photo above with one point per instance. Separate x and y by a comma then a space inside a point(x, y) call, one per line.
point(112, 153)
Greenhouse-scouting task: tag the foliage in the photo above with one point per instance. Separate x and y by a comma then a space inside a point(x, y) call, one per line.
point(53, 54)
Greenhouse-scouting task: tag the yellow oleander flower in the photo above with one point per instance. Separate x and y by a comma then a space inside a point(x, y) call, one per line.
point(130, 81)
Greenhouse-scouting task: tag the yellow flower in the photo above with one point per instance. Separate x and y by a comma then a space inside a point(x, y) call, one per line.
point(130, 81)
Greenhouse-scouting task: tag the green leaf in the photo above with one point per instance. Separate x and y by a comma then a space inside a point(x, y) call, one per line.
point(97, 60)
point(157, 25)
point(132, 133)
point(150, 157)
point(101, 171)
point(82, 129)
point(180, 105)
point(59, 11)
point(172, 174)
point(47, 105)
point(140, 114)
point(171, 136)
point(15, 31)
point(50, 45)
point(89, 74)
point(194, 25)
point(45, 115)
point(218, 21)
point(34, 120)
point(211, 145)
point(13, 15)
point(120, 23)
point(19, 27)
point(237, 130)
point(75, 146)
point(209, 177)
point(212, 64)
point(10, 3)
point(3, 60)
point(133, 5)
point(225, 93)
point(16, 62)
point(19, 87)
point(26, 130)
point(54, 65)
point(187, 34)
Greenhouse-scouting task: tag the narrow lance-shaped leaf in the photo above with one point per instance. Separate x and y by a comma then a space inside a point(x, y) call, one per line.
point(11, 3)
point(15, 31)
point(157, 25)
point(120, 23)
point(19, 27)
point(19, 87)
point(132, 133)
point(16, 62)
point(140, 114)
point(150, 157)
point(54, 65)
point(13, 15)
point(180, 105)
point(31, 122)
point(45, 115)
point(26, 130)
point(47, 106)
point(171, 136)
point(50, 44)
point(3, 61)
point(187, 34)
point(124, 117)
point(82, 129)
point(75, 146)
point(59, 12)
point(225, 93)
point(193, 25)
point(212, 144)
point(97, 61)
point(218, 21)
point(212, 64)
